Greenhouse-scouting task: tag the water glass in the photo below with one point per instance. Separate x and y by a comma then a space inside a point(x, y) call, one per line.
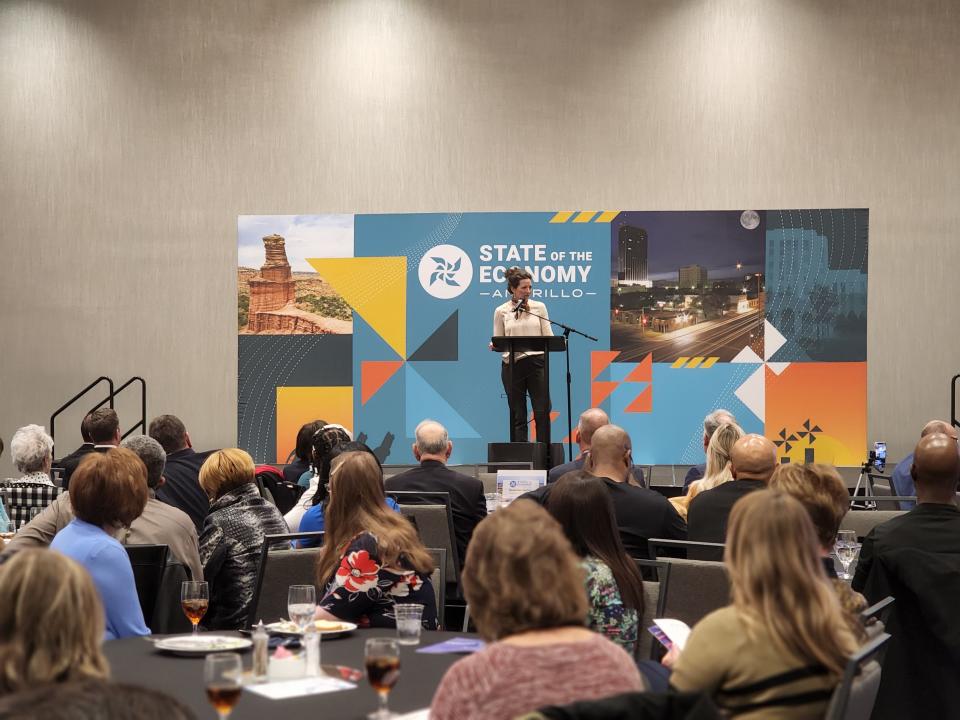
point(846, 550)
point(409, 622)
point(302, 604)
point(493, 501)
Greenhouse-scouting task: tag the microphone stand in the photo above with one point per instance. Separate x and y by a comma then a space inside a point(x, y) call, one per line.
point(566, 347)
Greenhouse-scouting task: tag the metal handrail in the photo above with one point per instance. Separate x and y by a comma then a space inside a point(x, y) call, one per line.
point(109, 400)
point(71, 401)
point(953, 401)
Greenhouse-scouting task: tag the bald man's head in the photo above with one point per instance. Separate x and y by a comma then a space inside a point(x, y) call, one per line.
point(936, 468)
point(753, 457)
point(939, 426)
point(432, 441)
point(609, 446)
point(590, 421)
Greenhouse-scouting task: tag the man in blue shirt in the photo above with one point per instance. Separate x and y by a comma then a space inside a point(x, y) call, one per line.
point(900, 479)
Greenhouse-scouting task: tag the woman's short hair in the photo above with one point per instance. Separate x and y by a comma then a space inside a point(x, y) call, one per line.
point(30, 448)
point(522, 574)
point(305, 439)
point(51, 621)
point(820, 490)
point(226, 470)
point(109, 488)
point(514, 275)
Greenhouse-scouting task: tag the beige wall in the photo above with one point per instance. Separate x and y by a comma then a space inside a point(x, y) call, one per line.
point(133, 132)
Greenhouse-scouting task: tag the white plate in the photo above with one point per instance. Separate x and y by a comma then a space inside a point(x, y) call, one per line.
point(288, 628)
point(201, 644)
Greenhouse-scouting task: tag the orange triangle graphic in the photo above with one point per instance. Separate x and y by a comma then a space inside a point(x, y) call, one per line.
point(600, 390)
point(374, 375)
point(599, 361)
point(643, 372)
point(643, 403)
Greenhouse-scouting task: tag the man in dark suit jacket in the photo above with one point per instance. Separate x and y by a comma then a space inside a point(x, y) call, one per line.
point(710, 424)
point(641, 513)
point(182, 473)
point(590, 421)
point(100, 431)
point(752, 461)
point(916, 558)
point(432, 450)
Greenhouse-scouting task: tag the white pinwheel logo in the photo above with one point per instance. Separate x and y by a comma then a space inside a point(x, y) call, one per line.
point(445, 271)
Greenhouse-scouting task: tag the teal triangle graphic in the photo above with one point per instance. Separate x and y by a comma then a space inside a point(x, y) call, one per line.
point(443, 343)
point(425, 402)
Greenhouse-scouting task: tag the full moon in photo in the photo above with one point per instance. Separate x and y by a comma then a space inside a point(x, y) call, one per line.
point(750, 219)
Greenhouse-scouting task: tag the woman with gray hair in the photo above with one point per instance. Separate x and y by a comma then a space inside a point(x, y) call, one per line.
point(32, 452)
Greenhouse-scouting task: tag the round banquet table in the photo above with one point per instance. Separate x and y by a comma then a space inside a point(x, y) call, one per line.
point(136, 662)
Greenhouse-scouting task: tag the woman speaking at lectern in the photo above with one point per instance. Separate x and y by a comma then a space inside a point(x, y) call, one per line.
point(518, 316)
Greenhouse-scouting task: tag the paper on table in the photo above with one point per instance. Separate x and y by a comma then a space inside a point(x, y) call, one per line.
point(511, 484)
point(423, 714)
point(455, 645)
point(298, 688)
point(676, 630)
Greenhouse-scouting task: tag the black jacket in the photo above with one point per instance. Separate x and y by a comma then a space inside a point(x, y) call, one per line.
point(560, 470)
point(467, 503)
point(708, 512)
point(69, 462)
point(182, 487)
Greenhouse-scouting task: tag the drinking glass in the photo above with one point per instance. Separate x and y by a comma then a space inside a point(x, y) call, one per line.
point(409, 622)
point(8, 530)
point(223, 676)
point(194, 599)
point(846, 549)
point(302, 604)
point(382, 660)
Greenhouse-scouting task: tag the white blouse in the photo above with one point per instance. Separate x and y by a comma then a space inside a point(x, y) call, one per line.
point(505, 322)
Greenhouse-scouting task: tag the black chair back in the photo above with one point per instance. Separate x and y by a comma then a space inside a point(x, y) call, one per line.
point(435, 525)
point(168, 617)
point(856, 694)
point(438, 578)
point(149, 563)
point(280, 567)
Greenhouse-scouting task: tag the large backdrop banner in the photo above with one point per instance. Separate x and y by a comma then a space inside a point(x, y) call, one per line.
point(380, 321)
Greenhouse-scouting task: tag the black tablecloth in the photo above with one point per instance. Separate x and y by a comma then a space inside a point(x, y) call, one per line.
point(134, 661)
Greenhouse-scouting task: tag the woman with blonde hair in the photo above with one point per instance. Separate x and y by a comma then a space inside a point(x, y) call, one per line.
point(51, 622)
point(232, 536)
point(524, 584)
point(718, 466)
point(780, 648)
point(371, 556)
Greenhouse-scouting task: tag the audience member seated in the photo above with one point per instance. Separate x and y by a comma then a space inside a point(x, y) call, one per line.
point(159, 524)
point(233, 536)
point(302, 452)
point(182, 487)
point(322, 444)
point(717, 468)
point(641, 513)
point(752, 461)
point(314, 519)
point(69, 463)
point(371, 556)
point(108, 492)
point(93, 700)
point(590, 421)
point(824, 496)
point(51, 622)
point(104, 432)
point(432, 450)
point(32, 452)
point(778, 651)
point(524, 585)
point(915, 557)
point(582, 506)
point(901, 482)
point(710, 424)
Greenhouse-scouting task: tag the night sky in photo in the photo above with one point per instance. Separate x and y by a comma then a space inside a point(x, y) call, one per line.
point(715, 240)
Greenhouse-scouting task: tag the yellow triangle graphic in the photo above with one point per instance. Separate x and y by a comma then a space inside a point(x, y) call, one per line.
point(376, 288)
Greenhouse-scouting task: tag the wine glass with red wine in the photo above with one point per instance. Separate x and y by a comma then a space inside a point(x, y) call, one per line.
point(194, 599)
point(223, 675)
point(382, 660)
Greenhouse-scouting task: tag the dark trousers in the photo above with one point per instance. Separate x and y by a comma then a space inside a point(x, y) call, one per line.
point(530, 378)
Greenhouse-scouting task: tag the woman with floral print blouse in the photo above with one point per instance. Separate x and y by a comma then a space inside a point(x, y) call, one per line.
point(371, 556)
point(582, 506)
